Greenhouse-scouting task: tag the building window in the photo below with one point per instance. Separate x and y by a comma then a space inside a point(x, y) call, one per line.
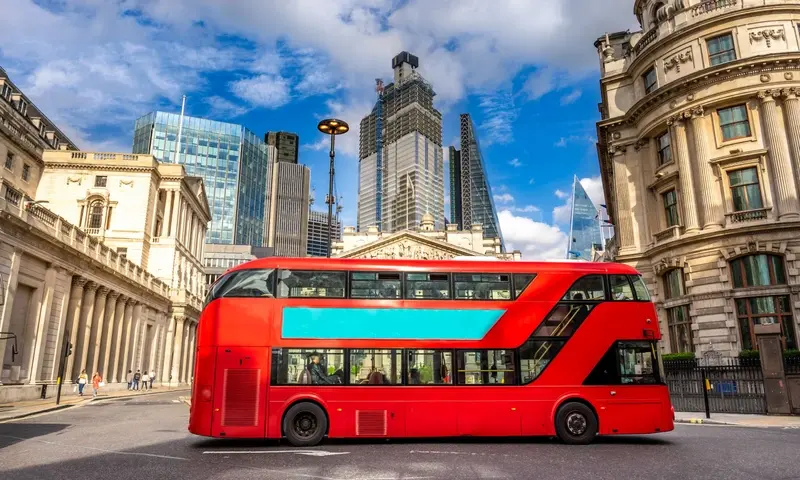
point(758, 271)
point(673, 284)
point(765, 311)
point(100, 181)
point(721, 49)
point(96, 215)
point(650, 80)
point(680, 329)
point(664, 149)
point(734, 122)
point(671, 208)
point(745, 190)
point(10, 161)
point(26, 172)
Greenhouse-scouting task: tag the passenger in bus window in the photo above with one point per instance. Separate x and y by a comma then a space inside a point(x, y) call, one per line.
point(318, 374)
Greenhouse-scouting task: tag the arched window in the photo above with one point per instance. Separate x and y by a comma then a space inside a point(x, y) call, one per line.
point(96, 215)
point(758, 270)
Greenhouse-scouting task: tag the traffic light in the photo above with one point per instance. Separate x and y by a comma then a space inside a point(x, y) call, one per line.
point(69, 349)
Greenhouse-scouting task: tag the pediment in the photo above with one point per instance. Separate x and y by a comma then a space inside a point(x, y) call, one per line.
point(408, 245)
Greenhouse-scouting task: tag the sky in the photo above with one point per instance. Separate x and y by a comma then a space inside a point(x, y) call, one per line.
point(526, 70)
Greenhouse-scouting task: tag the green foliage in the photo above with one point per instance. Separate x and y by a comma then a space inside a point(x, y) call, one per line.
point(791, 353)
point(678, 356)
point(748, 354)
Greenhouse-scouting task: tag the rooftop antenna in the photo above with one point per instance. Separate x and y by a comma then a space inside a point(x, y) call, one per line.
point(180, 129)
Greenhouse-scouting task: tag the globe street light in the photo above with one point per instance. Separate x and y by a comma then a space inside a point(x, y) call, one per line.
point(332, 127)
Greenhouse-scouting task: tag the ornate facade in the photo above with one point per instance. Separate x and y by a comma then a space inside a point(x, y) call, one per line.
point(425, 244)
point(699, 147)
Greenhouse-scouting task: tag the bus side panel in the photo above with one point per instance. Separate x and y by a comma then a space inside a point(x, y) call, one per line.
point(201, 409)
point(240, 399)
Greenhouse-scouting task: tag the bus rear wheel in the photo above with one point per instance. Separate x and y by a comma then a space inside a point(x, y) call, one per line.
point(305, 424)
point(576, 423)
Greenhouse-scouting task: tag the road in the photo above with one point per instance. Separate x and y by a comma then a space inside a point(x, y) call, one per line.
point(146, 438)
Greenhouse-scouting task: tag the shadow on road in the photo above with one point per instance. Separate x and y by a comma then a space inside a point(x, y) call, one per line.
point(11, 433)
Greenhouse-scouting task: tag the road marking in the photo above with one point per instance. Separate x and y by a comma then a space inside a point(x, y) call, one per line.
point(309, 453)
point(176, 401)
point(56, 444)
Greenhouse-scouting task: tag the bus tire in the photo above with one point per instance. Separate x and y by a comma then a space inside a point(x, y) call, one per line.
point(305, 424)
point(576, 423)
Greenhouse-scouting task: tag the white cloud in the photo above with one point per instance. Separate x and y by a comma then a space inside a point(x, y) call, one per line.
point(571, 97)
point(504, 198)
point(515, 162)
point(223, 109)
point(536, 240)
point(531, 181)
point(561, 194)
point(527, 209)
point(265, 90)
point(500, 114)
point(561, 213)
point(563, 142)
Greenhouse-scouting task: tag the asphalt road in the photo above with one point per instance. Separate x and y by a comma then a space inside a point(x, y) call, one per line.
point(146, 438)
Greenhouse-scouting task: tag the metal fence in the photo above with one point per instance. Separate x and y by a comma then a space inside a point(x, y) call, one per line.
point(736, 387)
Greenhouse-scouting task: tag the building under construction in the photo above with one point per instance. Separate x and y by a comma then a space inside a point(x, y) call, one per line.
point(401, 175)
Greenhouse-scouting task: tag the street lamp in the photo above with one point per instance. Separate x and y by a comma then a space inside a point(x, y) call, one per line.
point(332, 127)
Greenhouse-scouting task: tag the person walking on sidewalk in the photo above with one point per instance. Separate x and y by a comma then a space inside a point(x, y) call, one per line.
point(152, 378)
point(129, 379)
point(83, 379)
point(145, 380)
point(97, 382)
point(136, 377)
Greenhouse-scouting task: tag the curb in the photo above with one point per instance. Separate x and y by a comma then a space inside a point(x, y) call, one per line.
point(54, 408)
point(701, 421)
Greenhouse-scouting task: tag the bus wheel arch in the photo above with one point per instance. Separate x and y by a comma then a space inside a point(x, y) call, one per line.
point(307, 407)
point(576, 421)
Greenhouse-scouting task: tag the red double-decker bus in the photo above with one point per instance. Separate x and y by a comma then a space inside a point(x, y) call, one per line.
point(304, 348)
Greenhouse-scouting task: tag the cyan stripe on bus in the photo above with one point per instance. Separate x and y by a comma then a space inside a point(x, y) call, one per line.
point(390, 324)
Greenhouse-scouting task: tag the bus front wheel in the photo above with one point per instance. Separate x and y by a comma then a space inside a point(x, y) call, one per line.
point(576, 423)
point(305, 424)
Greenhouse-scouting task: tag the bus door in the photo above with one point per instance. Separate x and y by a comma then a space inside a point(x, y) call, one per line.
point(240, 399)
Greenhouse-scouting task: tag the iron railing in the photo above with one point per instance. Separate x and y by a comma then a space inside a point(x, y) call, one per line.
point(734, 388)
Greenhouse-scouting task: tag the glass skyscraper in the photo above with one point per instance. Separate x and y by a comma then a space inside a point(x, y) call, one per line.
point(232, 161)
point(471, 198)
point(584, 225)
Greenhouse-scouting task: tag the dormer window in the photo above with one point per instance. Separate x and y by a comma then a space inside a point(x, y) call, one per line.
point(6, 92)
point(54, 142)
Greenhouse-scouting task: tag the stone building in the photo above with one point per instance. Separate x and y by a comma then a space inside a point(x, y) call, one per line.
point(426, 243)
point(151, 213)
point(699, 147)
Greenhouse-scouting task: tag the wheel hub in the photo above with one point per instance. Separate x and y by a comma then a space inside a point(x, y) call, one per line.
point(305, 425)
point(576, 423)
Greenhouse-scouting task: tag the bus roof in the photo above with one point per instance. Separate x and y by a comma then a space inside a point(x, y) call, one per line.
point(460, 265)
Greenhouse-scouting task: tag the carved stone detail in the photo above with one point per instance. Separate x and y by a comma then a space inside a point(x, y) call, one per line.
point(77, 180)
point(788, 75)
point(765, 77)
point(677, 60)
point(127, 183)
point(408, 250)
point(768, 35)
point(617, 149)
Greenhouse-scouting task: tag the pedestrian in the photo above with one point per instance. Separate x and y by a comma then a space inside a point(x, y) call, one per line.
point(97, 382)
point(145, 380)
point(83, 379)
point(129, 379)
point(152, 378)
point(136, 377)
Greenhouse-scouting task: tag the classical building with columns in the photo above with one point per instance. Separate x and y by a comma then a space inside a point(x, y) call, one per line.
point(699, 147)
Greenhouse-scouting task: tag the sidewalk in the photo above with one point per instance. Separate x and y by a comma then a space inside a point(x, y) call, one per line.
point(741, 420)
point(13, 411)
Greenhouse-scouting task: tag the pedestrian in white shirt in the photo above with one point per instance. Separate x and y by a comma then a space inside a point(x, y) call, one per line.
point(145, 380)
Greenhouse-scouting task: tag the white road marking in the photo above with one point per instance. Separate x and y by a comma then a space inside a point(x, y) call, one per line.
point(309, 453)
point(56, 444)
point(176, 401)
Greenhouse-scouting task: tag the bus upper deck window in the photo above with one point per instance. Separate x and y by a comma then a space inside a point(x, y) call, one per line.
point(246, 283)
point(642, 294)
point(621, 288)
point(588, 288)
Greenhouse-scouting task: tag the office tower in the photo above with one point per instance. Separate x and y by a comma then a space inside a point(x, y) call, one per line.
point(401, 175)
point(584, 225)
point(232, 161)
point(318, 233)
point(471, 198)
point(288, 225)
point(286, 145)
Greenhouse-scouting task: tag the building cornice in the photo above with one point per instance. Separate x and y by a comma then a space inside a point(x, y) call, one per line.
point(99, 166)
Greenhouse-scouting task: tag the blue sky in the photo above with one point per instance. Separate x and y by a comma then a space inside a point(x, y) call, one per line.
point(525, 70)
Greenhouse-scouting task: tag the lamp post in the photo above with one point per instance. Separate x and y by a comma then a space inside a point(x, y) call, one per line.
point(332, 127)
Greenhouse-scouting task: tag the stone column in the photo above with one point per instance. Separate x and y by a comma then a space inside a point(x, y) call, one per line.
point(127, 339)
point(166, 367)
point(108, 336)
point(624, 220)
point(151, 360)
point(176, 215)
point(185, 361)
point(116, 375)
point(192, 350)
point(97, 329)
point(768, 338)
point(177, 351)
point(73, 321)
point(780, 161)
point(791, 105)
point(138, 321)
point(167, 214)
point(85, 329)
point(710, 196)
point(680, 148)
point(42, 323)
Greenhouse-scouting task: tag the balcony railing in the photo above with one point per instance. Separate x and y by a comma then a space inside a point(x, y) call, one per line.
point(748, 215)
point(646, 40)
point(95, 232)
point(669, 234)
point(14, 197)
point(711, 5)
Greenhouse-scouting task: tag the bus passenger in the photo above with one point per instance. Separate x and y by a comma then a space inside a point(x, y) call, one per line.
point(318, 375)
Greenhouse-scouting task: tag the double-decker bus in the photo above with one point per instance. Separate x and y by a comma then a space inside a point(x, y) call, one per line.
point(305, 348)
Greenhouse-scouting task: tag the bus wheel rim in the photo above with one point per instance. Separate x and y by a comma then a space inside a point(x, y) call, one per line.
point(576, 423)
point(305, 424)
